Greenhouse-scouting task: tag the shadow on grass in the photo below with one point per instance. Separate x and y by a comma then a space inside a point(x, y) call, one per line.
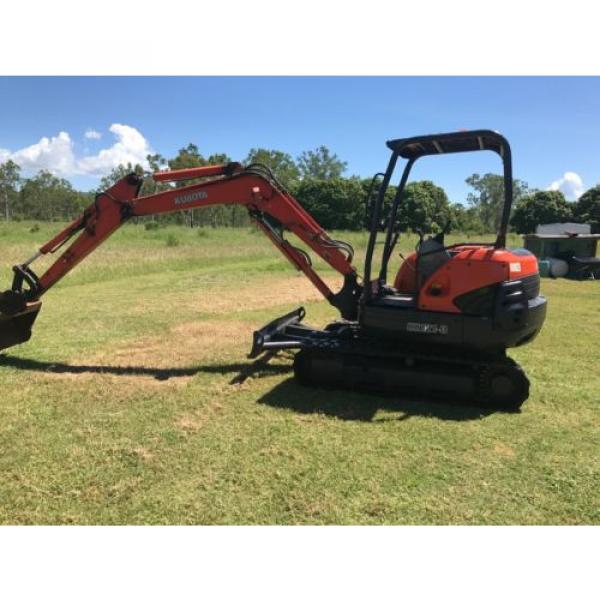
point(355, 406)
point(342, 404)
point(242, 370)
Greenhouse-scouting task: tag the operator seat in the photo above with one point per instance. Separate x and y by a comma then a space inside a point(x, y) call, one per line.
point(431, 255)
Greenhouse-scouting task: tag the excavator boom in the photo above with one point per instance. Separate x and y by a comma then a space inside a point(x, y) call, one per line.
point(269, 205)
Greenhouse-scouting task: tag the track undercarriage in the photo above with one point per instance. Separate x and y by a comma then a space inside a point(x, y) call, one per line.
point(341, 356)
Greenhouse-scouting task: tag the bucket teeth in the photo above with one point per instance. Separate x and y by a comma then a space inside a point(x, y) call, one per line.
point(16, 329)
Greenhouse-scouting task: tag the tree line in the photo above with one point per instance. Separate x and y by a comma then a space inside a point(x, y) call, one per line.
point(317, 180)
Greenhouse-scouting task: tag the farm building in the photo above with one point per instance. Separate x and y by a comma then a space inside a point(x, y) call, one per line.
point(565, 249)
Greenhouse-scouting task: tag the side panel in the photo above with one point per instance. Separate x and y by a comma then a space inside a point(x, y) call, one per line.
point(487, 334)
point(471, 268)
point(457, 277)
point(410, 324)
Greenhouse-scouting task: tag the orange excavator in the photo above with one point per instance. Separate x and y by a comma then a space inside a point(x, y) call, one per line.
point(442, 329)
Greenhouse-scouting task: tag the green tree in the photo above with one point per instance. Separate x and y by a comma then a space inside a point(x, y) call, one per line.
point(367, 188)
point(540, 208)
point(190, 157)
point(334, 203)
point(219, 158)
point(281, 163)
point(46, 197)
point(320, 164)
point(187, 158)
point(587, 208)
point(157, 162)
point(117, 173)
point(488, 197)
point(466, 219)
point(424, 206)
point(9, 184)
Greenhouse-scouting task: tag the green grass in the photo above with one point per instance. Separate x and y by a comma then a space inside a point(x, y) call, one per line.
point(121, 409)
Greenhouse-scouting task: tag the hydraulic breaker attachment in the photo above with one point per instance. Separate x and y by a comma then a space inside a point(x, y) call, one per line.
point(15, 328)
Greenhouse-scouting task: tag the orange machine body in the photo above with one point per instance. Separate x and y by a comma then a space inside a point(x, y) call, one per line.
point(467, 268)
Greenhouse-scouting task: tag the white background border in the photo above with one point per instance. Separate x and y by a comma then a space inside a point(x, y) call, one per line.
point(291, 38)
point(327, 37)
point(482, 563)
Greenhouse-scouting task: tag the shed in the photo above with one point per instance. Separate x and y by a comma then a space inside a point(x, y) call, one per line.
point(570, 242)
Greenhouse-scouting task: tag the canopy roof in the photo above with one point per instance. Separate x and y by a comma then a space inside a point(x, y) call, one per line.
point(442, 143)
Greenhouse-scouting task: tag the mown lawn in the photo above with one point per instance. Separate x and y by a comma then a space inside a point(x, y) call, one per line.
point(126, 406)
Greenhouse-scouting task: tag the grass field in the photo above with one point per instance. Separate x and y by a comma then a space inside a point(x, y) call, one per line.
point(126, 408)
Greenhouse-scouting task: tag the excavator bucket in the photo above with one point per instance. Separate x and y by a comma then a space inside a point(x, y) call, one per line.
point(16, 329)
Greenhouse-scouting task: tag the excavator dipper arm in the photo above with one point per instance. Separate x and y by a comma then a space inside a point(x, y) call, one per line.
point(272, 208)
point(274, 211)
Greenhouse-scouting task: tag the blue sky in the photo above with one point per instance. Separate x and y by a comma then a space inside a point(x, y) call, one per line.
point(553, 124)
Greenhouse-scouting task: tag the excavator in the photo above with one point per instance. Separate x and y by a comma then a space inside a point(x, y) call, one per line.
point(441, 329)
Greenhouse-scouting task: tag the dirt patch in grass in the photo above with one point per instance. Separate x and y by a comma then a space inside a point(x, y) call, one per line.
point(170, 358)
point(250, 294)
point(190, 422)
point(503, 450)
point(143, 453)
point(183, 344)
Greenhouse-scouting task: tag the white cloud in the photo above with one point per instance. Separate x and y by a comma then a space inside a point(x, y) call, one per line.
point(57, 154)
point(131, 147)
point(570, 184)
point(54, 154)
point(92, 134)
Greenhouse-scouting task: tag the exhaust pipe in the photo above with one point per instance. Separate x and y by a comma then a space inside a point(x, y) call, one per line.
point(17, 317)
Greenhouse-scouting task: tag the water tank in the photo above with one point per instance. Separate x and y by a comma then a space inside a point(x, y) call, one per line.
point(558, 267)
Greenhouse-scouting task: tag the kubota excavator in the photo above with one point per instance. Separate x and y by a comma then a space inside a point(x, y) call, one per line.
point(442, 328)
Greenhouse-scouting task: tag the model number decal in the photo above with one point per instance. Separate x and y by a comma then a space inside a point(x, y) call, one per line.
point(201, 195)
point(427, 328)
